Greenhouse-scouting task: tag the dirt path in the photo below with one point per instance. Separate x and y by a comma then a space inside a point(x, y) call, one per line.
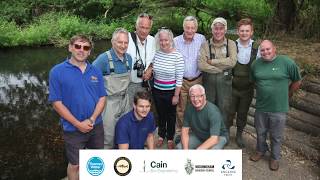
point(292, 165)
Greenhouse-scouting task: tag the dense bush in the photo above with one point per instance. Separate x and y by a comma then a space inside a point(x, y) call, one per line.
point(9, 32)
point(29, 22)
point(53, 28)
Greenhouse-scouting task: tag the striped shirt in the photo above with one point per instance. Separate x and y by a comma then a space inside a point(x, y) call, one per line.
point(168, 70)
point(190, 52)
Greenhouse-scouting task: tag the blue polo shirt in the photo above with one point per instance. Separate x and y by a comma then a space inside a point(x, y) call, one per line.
point(79, 92)
point(131, 131)
point(102, 63)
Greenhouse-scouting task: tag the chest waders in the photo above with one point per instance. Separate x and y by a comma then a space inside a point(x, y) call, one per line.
point(117, 102)
point(219, 85)
point(241, 82)
point(242, 94)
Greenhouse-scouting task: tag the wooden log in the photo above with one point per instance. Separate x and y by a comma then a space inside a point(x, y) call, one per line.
point(291, 133)
point(295, 123)
point(308, 96)
point(314, 80)
point(305, 106)
point(311, 87)
point(304, 117)
point(250, 121)
point(308, 103)
point(298, 141)
point(303, 127)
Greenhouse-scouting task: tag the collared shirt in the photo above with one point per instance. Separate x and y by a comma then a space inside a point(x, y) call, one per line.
point(79, 92)
point(220, 62)
point(134, 132)
point(147, 50)
point(102, 63)
point(244, 53)
point(190, 52)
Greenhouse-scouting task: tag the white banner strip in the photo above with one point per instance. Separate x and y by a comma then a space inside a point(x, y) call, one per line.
point(160, 164)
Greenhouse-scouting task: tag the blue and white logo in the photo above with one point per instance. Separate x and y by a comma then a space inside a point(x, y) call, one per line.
point(95, 166)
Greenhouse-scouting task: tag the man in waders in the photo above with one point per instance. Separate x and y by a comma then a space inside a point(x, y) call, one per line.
point(217, 58)
point(115, 65)
point(242, 88)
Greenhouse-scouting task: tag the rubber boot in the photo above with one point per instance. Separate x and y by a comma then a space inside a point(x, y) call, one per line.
point(239, 140)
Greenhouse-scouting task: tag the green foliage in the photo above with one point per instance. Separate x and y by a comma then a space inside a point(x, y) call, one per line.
point(38, 22)
point(8, 32)
point(19, 11)
point(259, 10)
point(54, 28)
point(309, 20)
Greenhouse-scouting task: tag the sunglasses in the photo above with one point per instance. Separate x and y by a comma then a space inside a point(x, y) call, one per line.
point(163, 28)
point(85, 48)
point(146, 15)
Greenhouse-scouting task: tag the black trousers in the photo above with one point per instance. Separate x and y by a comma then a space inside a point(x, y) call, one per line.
point(166, 112)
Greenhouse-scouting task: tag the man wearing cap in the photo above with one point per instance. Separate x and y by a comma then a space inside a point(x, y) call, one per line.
point(217, 58)
point(188, 44)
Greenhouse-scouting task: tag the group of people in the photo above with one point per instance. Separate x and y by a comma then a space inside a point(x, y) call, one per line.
point(198, 87)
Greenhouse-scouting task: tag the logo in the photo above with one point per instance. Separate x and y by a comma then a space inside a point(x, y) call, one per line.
point(95, 166)
point(228, 165)
point(198, 168)
point(228, 169)
point(122, 166)
point(94, 79)
point(189, 167)
point(157, 166)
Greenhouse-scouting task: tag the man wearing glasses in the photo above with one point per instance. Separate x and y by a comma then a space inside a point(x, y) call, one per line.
point(205, 120)
point(77, 94)
point(142, 49)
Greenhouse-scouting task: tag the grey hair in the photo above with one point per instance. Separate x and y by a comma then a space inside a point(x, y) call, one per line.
point(118, 31)
point(157, 37)
point(143, 15)
point(190, 18)
point(197, 86)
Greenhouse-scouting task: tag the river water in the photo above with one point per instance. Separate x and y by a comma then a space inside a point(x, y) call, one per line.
point(31, 144)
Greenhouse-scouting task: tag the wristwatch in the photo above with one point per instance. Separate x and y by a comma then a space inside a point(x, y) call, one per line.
point(91, 120)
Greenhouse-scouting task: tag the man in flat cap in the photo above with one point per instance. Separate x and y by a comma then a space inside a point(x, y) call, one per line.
point(217, 58)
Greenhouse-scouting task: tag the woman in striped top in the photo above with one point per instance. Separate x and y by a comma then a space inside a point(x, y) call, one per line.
point(168, 67)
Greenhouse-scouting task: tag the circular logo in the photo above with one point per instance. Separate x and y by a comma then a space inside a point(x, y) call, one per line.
point(95, 166)
point(122, 166)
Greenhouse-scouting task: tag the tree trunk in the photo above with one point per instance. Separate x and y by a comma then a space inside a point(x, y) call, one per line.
point(284, 18)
